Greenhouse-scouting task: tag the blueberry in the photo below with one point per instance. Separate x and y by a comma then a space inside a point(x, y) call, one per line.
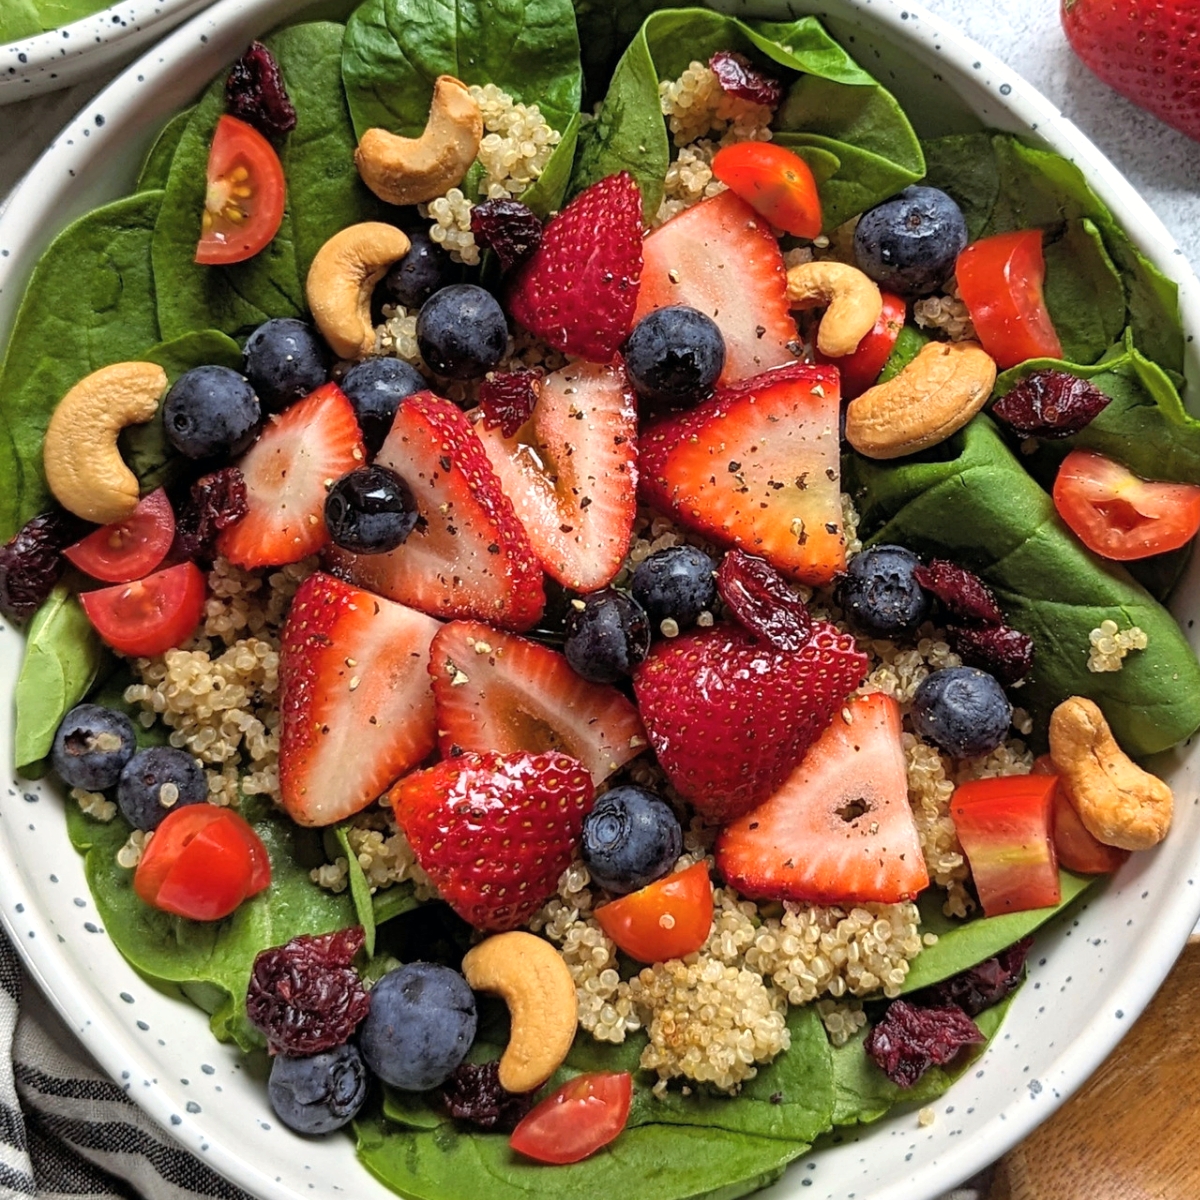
point(630, 839)
point(962, 710)
point(425, 269)
point(678, 583)
point(285, 360)
point(420, 1027)
point(91, 746)
point(318, 1094)
point(909, 244)
point(608, 634)
point(370, 511)
point(211, 411)
point(375, 387)
point(157, 781)
point(674, 356)
point(461, 331)
point(880, 592)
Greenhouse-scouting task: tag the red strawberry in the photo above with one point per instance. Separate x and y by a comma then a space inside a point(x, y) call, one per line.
point(757, 467)
point(497, 691)
point(578, 289)
point(495, 831)
point(357, 706)
point(571, 473)
point(721, 257)
point(729, 716)
point(840, 830)
point(288, 472)
point(468, 556)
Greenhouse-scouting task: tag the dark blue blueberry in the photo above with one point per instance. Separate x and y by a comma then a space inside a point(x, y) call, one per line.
point(370, 511)
point(674, 356)
point(156, 782)
point(375, 387)
point(425, 269)
point(461, 331)
point(630, 838)
point(210, 412)
point(91, 746)
point(420, 1027)
point(678, 583)
point(880, 592)
point(962, 710)
point(285, 360)
point(321, 1093)
point(909, 244)
point(608, 634)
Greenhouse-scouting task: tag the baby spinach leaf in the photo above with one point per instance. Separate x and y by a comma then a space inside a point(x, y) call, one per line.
point(908, 346)
point(27, 18)
point(1084, 292)
point(546, 194)
point(394, 901)
point(157, 167)
point(360, 890)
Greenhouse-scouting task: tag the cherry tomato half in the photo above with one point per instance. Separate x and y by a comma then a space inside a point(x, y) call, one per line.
point(1000, 280)
point(861, 369)
point(776, 182)
point(667, 919)
point(585, 1114)
point(1075, 847)
point(128, 549)
point(150, 615)
point(1117, 515)
point(243, 205)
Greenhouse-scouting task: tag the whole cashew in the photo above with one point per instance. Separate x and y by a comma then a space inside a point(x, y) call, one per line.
point(854, 303)
point(341, 279)
point(402, 170)
point(84, 467)
point(1119, 803)
point(537, 986)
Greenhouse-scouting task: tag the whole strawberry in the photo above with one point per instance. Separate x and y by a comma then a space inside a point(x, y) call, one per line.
point(1149, 50)
point(495, 831)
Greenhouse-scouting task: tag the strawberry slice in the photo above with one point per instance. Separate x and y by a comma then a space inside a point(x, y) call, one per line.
point(729, 716)
point(495, 831)
point(720, 257)
point(571, 473)
point(757, 467)
point(469, 555)
point(288, 472)
point(497, 691)
point(358, 710)
point(840, 830)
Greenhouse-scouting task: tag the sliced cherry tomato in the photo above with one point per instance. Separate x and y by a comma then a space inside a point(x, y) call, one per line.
point(584, 1115)
point(243, 206)
point(128, 549)
point(861, 369)
point(775, 182)
point(1077, 850)
point(1000, 280)
point(150, 615)
point(667, 919)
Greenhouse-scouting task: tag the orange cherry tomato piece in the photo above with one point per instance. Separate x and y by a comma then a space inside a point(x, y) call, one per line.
point(861, 369)
point(776, 182)
point(128, 549)
point(666, 919)
point(585, 1114)
point(149, 615)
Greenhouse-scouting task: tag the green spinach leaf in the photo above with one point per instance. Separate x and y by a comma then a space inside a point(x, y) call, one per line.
point(27, 18)
point(157, 167)
point(1084, 292)
point(546, 194)
point(908, 346)
point(394, 901)
point(360, 890)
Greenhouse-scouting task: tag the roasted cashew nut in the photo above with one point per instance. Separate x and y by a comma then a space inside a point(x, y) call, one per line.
point(342, 278)
point(84, 467)
point(933, 397)
point(402, 170)
point(854, 303)
point(535, 983)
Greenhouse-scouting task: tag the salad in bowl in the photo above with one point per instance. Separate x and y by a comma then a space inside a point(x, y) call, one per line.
point(588, 607)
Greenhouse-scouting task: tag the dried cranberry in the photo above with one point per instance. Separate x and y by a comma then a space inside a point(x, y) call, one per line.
point(508, 398)
point(761, 600)
point(1051, 404)
point(32, 563)
point(962, 593)
point(739, 77)
point(305, 997)
point(216, 502)
point(980, 987)
point(473, 1093)
point(255, 93)
point(509, 228)
point(1006, 652)
point(910, 1039)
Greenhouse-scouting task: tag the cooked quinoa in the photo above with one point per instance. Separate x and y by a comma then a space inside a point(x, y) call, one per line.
point(1109, 644)
point(946, 314)
point(383, 853)
point(94, 804)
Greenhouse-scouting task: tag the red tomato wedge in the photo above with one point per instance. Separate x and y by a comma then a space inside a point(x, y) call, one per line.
point(243, 204)
point(664, 920)
point(1000, 280)
point(861, 369)
point(584, 1115)
point(1077, 850)
point(128, 549)
point(776, 182)
point(150, 615)
point(1117, 515)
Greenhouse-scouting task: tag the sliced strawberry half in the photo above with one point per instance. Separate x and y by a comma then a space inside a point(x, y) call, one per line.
point(757, 467)
point(571, 472)
point(840, 830)
point(469, 555)
point(358, 710)
point(288, 472)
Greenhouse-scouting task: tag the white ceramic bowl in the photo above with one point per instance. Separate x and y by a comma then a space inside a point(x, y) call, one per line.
point(1091, 974)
